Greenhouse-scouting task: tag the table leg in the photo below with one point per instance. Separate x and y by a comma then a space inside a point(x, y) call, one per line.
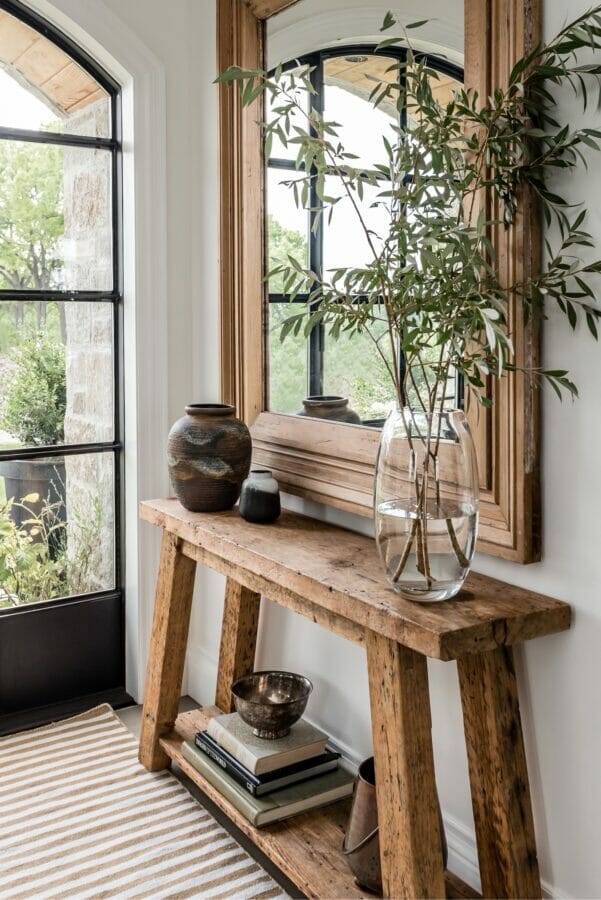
point(498, 775)
point(173, 603)
point(238, 640)
point(410, 842)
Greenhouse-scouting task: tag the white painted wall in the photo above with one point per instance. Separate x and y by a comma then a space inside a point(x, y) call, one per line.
point(559, 676)
point(182, 36)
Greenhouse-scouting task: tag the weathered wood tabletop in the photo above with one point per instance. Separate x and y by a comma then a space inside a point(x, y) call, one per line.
point(339, 571)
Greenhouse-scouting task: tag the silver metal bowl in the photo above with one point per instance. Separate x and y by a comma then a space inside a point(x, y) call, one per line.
point(270, 702)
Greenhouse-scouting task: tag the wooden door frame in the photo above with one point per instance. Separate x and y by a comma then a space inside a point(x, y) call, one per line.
point(327, 462)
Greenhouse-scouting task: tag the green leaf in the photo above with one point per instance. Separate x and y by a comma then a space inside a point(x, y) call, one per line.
point(592, 326)
point(389, 21)
point(389, 42)
point(288, 325)
point(268, 145)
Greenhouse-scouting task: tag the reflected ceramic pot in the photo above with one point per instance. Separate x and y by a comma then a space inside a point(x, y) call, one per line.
point(208, 453)
point(260, 497)
point(324, 406)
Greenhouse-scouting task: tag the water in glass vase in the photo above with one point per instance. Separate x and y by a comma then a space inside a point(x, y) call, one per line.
point(427, 557)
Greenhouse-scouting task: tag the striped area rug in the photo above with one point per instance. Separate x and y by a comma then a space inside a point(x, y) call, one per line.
point(80, 817)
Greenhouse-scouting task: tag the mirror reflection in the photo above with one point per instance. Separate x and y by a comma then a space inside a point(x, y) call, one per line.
point(318, 375)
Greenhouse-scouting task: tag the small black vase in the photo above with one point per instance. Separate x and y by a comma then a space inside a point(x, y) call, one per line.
point(260, 497)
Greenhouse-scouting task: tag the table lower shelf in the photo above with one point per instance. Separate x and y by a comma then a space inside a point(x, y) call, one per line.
point(307, 848)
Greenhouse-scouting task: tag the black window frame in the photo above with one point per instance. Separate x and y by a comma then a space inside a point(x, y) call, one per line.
point(315, 231)
point(113, 599)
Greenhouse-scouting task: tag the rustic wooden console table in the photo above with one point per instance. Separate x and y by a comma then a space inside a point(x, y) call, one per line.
point(333, 577)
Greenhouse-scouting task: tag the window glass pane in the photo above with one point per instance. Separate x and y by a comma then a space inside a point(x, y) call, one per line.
point(57, 525)
point(297, 116)
point(55, 217)
point(56, 373)
point(287, 361)
point(347, 86)
point(447, 390)
point(287, 225)
point(353, 369)
point(42, 89)
point(345, 241)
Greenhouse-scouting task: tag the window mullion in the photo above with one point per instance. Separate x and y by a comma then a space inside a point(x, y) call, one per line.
point(278, 162)
point(403, 122)
point(55, 138)
point(49, 296)
point(51, 450)
point(317, 336)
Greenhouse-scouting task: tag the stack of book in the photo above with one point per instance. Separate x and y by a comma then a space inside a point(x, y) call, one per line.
point(268, 780)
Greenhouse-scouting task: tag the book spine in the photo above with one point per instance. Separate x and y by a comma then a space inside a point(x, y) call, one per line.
point(234, 771)
point(278, 784)
point(233, 746)
point(215, 778)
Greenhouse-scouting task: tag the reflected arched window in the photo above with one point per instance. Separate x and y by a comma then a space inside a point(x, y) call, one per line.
point(343, 79)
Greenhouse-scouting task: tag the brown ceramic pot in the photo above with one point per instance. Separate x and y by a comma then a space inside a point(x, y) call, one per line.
point(208, 452)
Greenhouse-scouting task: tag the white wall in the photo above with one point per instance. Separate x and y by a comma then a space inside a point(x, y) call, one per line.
point(560, 681)
point(560, 677)
point(181, 35)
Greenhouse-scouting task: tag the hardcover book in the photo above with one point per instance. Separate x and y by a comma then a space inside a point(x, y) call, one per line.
point(271, 781)
point(290, 801)
point(259, 755)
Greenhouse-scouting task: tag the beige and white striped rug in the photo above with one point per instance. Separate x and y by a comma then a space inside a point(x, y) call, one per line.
point(80, 817)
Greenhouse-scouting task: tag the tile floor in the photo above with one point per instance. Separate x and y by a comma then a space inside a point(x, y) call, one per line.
point(131, 716)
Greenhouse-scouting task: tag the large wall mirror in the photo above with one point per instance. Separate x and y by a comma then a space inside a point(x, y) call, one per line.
point(316, 404)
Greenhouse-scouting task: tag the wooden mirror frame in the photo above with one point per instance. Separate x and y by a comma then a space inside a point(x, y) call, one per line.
point(327, 462)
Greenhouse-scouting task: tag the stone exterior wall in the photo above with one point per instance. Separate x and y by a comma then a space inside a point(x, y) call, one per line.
point(89, 346)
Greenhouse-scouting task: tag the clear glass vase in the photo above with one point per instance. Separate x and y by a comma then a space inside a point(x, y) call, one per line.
point(426, 503)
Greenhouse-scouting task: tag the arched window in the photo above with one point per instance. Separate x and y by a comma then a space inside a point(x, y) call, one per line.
point(60, 381)
point(342, 79)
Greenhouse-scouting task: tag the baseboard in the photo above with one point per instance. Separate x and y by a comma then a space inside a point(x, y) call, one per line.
point(44, 715)
point(463, 855)
point(463, 858)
